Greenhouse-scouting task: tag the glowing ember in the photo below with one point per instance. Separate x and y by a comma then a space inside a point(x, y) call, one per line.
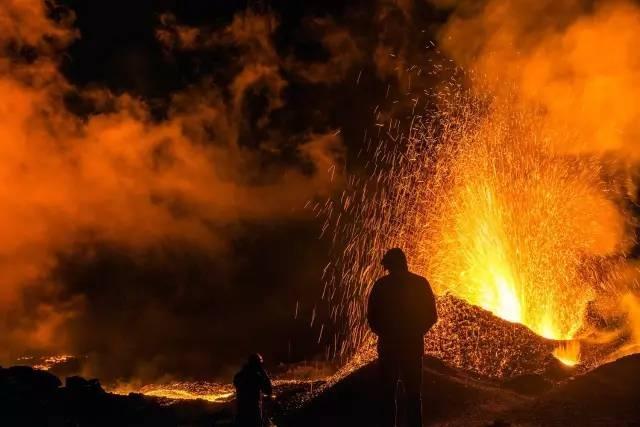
point(211, 392)
point(515, 228)
point(489, 211)
point(568, 353)
point(45, 363)
point(186, 390)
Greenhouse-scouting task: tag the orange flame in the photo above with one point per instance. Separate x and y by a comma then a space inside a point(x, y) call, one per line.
point(516, 228)
point(568, 353)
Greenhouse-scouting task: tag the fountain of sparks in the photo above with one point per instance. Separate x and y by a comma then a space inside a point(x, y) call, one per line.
point(490, 212)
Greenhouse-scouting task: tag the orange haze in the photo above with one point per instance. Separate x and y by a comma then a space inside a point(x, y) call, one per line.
point(118, 176)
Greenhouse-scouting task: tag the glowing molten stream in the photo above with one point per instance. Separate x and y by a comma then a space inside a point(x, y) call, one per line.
point(517, 229)
point(568, 353)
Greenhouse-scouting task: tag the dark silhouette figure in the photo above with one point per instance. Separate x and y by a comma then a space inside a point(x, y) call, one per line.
point(251, 383)
point(401, 311)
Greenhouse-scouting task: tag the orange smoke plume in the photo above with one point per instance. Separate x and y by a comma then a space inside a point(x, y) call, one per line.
point(576, 63)
point(118, 175)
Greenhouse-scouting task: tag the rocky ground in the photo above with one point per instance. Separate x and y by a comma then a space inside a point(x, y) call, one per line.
point(31, 397)
point(606, 396)
point(479, 371)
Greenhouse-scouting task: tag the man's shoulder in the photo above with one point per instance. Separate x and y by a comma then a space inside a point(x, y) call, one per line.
point(382, 280)
point(418, 278)
point(381, 283)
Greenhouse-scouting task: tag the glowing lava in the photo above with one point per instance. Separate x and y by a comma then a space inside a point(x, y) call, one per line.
point(490, 211)
point(47, 362)
point(182, 390)
point(515, 228)
point(568, 353)
point(193, 390)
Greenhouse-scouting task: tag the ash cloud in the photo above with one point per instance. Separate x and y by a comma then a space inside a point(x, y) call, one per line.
point(113, 217)
point(574, 67)
point(157, 160)
point(575, 62)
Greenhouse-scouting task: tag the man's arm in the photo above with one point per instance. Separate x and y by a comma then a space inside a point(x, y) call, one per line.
point(236, 380)
point(428, 307)
point(266, 383)
point(373, 309)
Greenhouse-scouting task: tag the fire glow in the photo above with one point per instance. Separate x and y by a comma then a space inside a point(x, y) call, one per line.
point(182, 390)
point(202, 390)
point(516, 228)
point(515, 190)
point(491, 212)
point(568, 353)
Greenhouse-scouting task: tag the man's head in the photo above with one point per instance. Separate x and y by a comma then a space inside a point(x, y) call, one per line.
point(255, 359)
point(395, 261)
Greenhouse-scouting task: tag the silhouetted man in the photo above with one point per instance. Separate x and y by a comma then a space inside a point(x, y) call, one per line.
point(251, 383)
point(401, 311)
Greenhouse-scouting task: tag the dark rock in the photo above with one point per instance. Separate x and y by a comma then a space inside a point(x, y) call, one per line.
point(557, 370)
point(608, 394)
point(26, 379)
point(81, 385)
point(30, 397)
point(475, 340)
point(530, 384)
point(447, 393)
point(67, 368)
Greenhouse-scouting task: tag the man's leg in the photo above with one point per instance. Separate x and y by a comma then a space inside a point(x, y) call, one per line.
point(388, 370)
point(249, 413)
point(412, 379)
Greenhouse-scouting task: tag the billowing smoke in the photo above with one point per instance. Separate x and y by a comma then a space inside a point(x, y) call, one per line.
point(574, 61)
point(103, 206)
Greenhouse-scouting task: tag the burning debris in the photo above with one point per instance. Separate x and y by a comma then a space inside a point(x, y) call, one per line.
point(568, 353)
point(493, 216)
point(182, 390)
point(498, 194)
point(472, 339)
point(47, 362)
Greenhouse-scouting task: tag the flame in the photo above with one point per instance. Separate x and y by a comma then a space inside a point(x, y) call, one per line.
point(537, 170)
point(490, 211)
point(514, 227)
point(568, 353)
